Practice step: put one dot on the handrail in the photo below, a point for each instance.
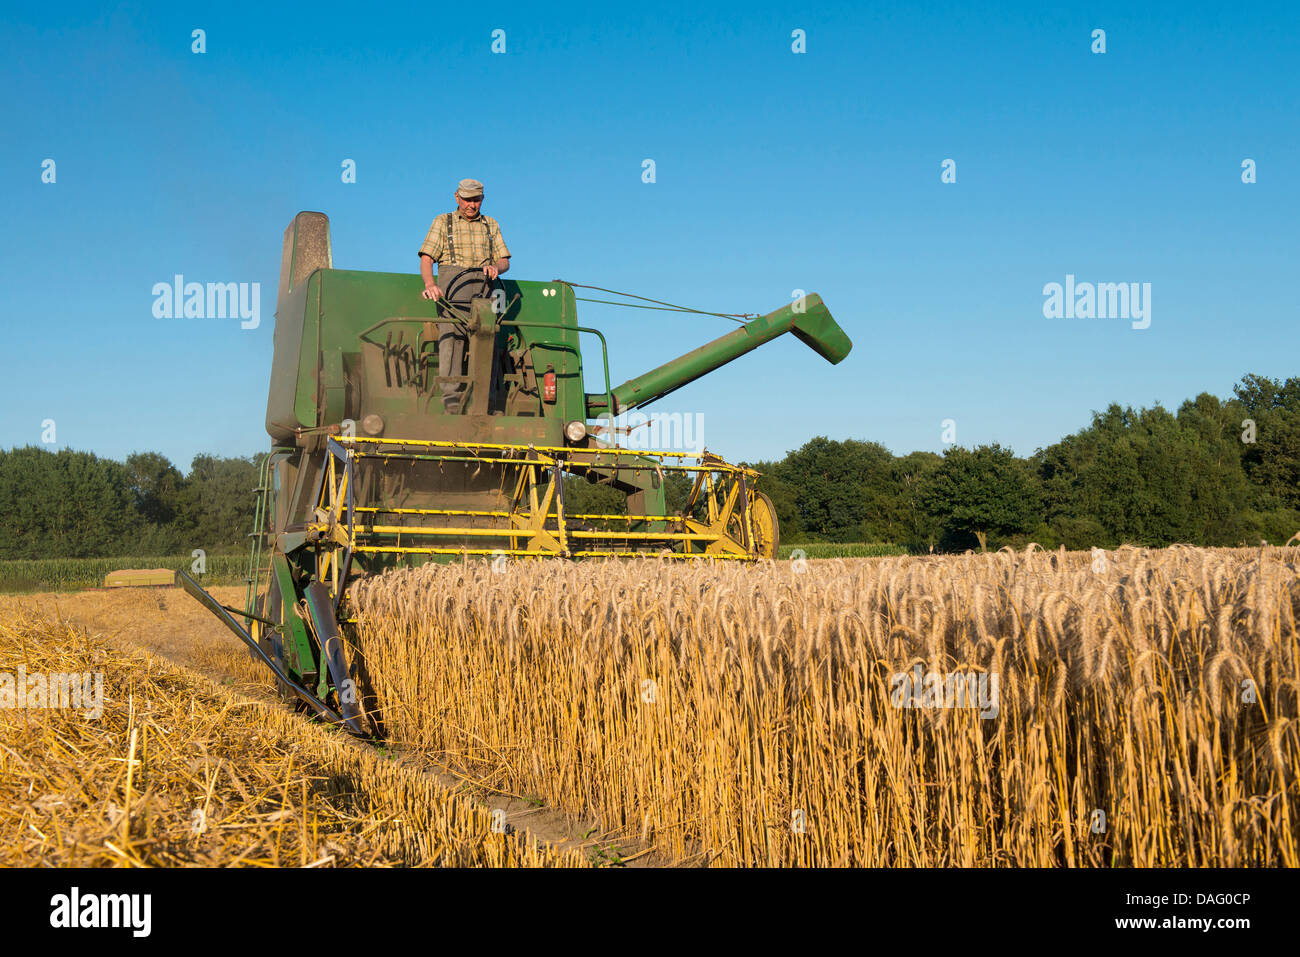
(604, 351)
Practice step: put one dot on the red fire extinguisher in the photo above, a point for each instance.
(548, 385)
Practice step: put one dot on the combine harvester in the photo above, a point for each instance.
(368, 472)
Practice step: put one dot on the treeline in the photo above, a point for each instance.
(69, 504)
(1218, 472)
(1215, 473)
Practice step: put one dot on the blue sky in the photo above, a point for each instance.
(774, 171)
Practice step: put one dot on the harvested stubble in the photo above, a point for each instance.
(1121, 691)
(179, 771)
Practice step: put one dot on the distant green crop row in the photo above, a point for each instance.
(843, 550)
(70, 574)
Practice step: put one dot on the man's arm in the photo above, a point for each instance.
(431, 290)
(502, 264)
(430, 251)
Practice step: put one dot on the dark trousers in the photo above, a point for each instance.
(453, 341)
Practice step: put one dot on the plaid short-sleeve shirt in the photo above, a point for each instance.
(475, 242)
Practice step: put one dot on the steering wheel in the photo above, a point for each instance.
(453, 314)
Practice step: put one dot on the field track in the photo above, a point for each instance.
(221, 773)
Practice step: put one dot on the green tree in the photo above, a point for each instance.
(217, 504)
(156, 485)
(1219, 491)
(911, 523)
(838, 485)
(63, 505)
(981, 491)
(1149, 478)
(1272, 460)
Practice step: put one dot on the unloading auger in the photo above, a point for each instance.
(368, 471)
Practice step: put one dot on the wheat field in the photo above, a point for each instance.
(1138, 709)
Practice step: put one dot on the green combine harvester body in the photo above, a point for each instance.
(369, 470)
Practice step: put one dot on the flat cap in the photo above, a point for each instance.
(469, 188)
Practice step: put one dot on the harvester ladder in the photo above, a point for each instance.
(263, 505)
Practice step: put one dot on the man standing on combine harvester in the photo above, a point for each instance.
(470, 254)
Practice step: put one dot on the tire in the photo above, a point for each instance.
(767, 533)
(762, 516)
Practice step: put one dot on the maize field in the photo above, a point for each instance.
(64, 574)
(1003, 709)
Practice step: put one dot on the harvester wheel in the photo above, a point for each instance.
(767, 534)
(269, 606)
